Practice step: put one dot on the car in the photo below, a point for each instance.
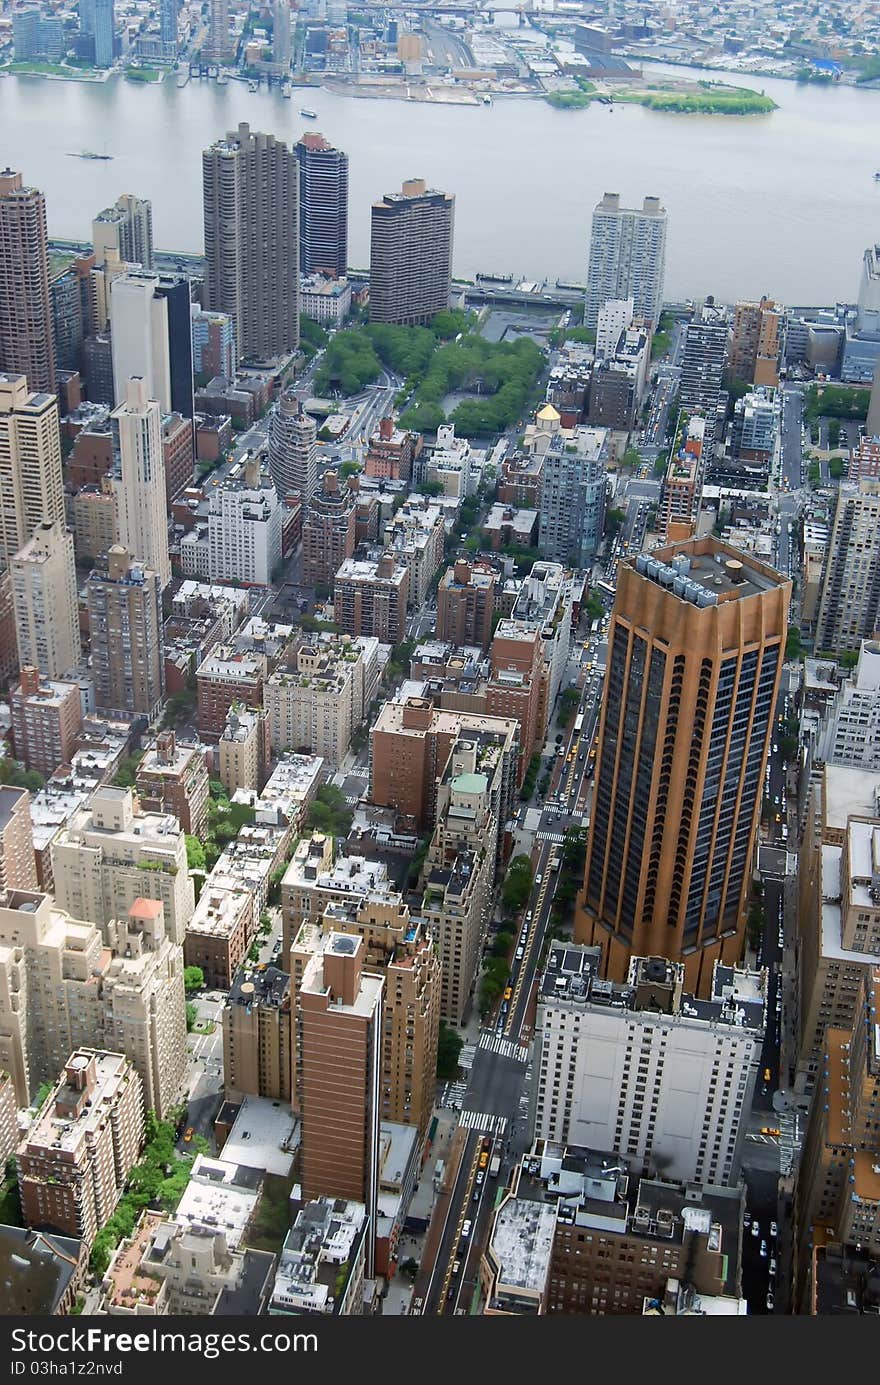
(456, 1266)
(775, 748)
(466, 1228)
(773, 1230)
(771, 1130)
(538, 879)
(484, 1159)
(480, 1177)
(767, 1075)
(762, 1249)
(756, 1228)
(508, 992)
(188, 1136)
(772, 1266)
(519, 953)
(747, 1219)
(770, 1301)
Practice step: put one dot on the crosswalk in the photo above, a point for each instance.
(484, 1122)
(466, 1057)
(496, 1044)
(557, 838)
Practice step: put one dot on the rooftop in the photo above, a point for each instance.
(706, 572)
(220, 1196)
(74, 1114)
(264, 1135)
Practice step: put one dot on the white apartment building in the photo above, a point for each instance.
(544, 604)
(415, 533)
(324, 300)
(244, 527)
(139, 478)
(139, 337)
(45, 602)
(644, 1070)
(111, 854)
(317, 700)
(852, 731)
(145, 1003)
(614, 317)
(627, 257)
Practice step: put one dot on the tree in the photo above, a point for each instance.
(329, 812)
(449, 1046)
(794, 648)
(568, 701)
(195, 853)
(613, 520)
(193, 979)
(517, 886)
(192, 1016)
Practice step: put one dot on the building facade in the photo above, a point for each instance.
(323, 207)
(45, 600)
(26, 337)
(251, 214)
(627, 257)
(696, 644)
(411, 255)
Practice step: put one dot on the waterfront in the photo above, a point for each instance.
(781, 204)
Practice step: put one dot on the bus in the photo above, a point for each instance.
(579, 723)
(606, 592)
(594, 628)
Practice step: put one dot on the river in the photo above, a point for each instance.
(783, 204)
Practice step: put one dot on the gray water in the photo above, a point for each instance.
(781, 204)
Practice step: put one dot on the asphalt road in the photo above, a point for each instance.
(494, 1105)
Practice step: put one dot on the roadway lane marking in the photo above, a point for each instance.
(483, 1121)
(506, 1047)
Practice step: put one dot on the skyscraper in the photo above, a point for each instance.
(696, 646)
(139, 337)
(411, 254)
(44, 596)
(250, 193)
(849, 607)
(219, 48)
(105, 33)
(627, 257)
(281, 36)
(702, 368)
(293, 453)
(151, 336)
(168, 17)
(26, 342)
(323, 207)
(127, 226)
(125, 627)
(139, 479)
(31, 486)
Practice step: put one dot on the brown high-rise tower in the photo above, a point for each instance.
(696, 647)
(411, 255)
(250, 197)
(26, 341)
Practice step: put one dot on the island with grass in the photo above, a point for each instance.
(676, 97)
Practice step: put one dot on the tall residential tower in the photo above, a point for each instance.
(250, 191)
(323, 206)
(411, 255)
(627, 257)
(26, 339)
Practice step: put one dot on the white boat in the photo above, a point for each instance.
(309, 115)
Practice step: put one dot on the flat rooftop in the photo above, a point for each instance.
(263, 1136)
(706, 572)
